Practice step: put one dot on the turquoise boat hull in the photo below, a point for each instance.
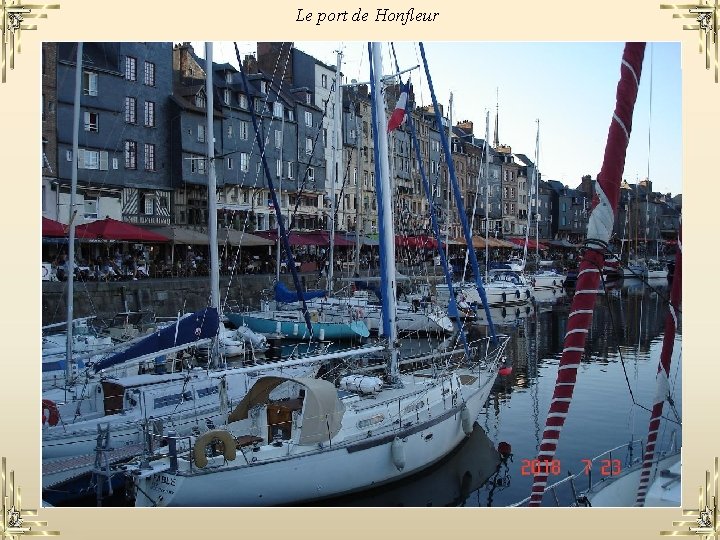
(292, 328)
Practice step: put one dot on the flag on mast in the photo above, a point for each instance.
(398, 116)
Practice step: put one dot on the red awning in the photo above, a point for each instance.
(531, 243)
(52, 228)
(112, 229)
(427, 242)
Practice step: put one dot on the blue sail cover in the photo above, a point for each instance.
(196, 326)
(285, 295)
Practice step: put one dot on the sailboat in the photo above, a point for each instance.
(540, 279)
(369, 431)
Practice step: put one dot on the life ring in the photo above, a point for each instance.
(53, 416)
(228, 445)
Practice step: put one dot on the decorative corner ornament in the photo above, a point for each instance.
(706, 15)
(14, 521)
(12, 15)
(704, 521)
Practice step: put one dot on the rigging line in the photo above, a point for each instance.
(257, 172)
(622, 361)
(281, 225)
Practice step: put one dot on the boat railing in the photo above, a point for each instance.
(609, 464)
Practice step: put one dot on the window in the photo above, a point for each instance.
(242, 98)
(243, 130)
(201, 133)
(278, 138)
(323, 79)
(263, 87)
(200, 101)
(130, 110)
(244, 161)
(311, 174)
(130, 155)
(115, 163)
(149, 204)
(308, 119)
(92, 159)
(229, 163)
(308, 98)
(149, 114)
(90, 81)
(228, 77)
(278, 168)
(226, 96)
(193, 165)
(91, 121)
(278, 109)
(291, 170)
(130, 68)
(149, 74)
(291, 115)
(149, 157)
(308, 145)
(202, 165)
(229, 131)
(90, 208)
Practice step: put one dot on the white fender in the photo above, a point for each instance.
(397, 449)
(467, 423)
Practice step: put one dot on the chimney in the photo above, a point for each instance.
(466, 126)
(250, 64)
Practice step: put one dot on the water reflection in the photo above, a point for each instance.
(473, 466)
(622, 353)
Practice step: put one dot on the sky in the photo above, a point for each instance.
(569, 87)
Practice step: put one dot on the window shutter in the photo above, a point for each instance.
(81, 158)
(103, 161)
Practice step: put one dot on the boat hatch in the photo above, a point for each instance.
(280, 417)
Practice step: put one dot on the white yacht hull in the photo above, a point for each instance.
(291, 473)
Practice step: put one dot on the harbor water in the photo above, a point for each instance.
(610, 407)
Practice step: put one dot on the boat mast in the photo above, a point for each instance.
(70, 265)
(487, 191)
(447, 201)
(282, 143)
(335, 178)
(212, 183)
(385, 215)
(358, 190)
(536, 185)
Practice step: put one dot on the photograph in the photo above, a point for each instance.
(321, 282)
(398, 269)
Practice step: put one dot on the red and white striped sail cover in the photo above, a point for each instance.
(663, 375)
(600, 227)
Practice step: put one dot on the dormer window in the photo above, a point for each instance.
(200, 100)
(263, 87)
(308, 98)
(228, 77)
(277, 109)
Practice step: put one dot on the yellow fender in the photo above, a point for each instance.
(201, 443)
